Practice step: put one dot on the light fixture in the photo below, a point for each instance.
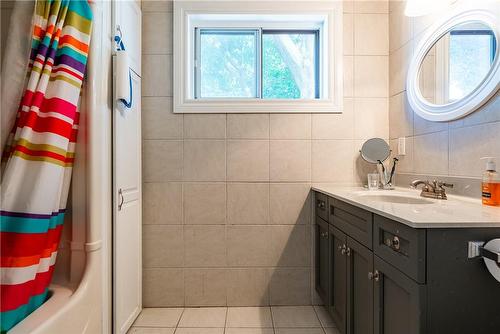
(425, 7)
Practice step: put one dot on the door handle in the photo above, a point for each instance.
(122, 199)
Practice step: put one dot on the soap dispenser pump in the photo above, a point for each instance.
(491, 183)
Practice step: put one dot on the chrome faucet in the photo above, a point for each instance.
(434, 189)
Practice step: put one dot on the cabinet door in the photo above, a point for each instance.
(360, 288)
(322, 260)
(338, 278)
(399, 301)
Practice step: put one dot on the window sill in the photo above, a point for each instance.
(239, 106)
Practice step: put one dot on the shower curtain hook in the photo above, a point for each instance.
(119, 37)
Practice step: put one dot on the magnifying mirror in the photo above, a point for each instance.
(375, 150)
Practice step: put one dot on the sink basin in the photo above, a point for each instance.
(399, 199)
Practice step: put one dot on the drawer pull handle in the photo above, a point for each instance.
(374, 276)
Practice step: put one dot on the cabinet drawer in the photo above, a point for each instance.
(353, 221)
(401, 246)
(321, 205)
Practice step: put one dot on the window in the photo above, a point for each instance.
(256, 63)
(471, 54)
(258, 57)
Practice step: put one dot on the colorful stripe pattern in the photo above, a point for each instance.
(38, 158)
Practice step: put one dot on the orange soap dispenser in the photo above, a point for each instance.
(491, 183)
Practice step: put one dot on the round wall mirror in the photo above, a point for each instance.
(375, 150)
(456, 67)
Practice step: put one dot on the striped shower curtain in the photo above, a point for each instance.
(38, 158)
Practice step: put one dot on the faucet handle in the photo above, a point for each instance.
(444, 184)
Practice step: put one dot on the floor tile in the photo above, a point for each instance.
(158, 317)
(295, 317)
(150, 330)
(324, 317)
(199, 331)
(249, 331)
(299, 331)
(204, 317)
(249, 317)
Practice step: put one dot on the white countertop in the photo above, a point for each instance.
(455, 212)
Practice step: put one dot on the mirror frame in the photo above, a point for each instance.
(480, 95)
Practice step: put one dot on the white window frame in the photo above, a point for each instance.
(188, 15)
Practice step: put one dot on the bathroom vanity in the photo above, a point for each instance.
(391, 262)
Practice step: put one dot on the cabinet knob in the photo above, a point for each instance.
(343, 249)
(396, 244)
(348, 251)
(374, 276)
(324, 234)
(321, 204)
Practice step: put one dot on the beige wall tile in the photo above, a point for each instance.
(247, 160)
(290, 286)
(205, 287)
(248, 203)
(156, 33)
(371, 6)
(332, 161)
(291, 245)
(399, 62)
(162, 246)
(161, 160)
(371, 34)
(157, 5)
(371, 77)
(348, 28)
(488, 113)
(248, 126)
(290, 160)
(348, 76)
(400, 117)
(158, 70)
(431, 153)
(204, 160)
(469, 144)
(249, 246)
(335, 126)
(158, 120)
(247, 287)
(205, 126)
(422, 126)
(400, 27)
(162, 203)
(204, 245)
(290, 126)
(371, 118)
(290, 204)
(155, 293)
(205, 203)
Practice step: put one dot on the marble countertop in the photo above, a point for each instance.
(456, 212)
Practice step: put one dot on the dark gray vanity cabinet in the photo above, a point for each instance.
(379, 276)
(322, 258)
(337, 305)
(399, 302)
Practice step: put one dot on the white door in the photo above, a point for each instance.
(127, 194)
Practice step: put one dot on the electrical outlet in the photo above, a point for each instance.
(402, 146)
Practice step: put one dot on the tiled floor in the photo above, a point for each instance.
(235, 320)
